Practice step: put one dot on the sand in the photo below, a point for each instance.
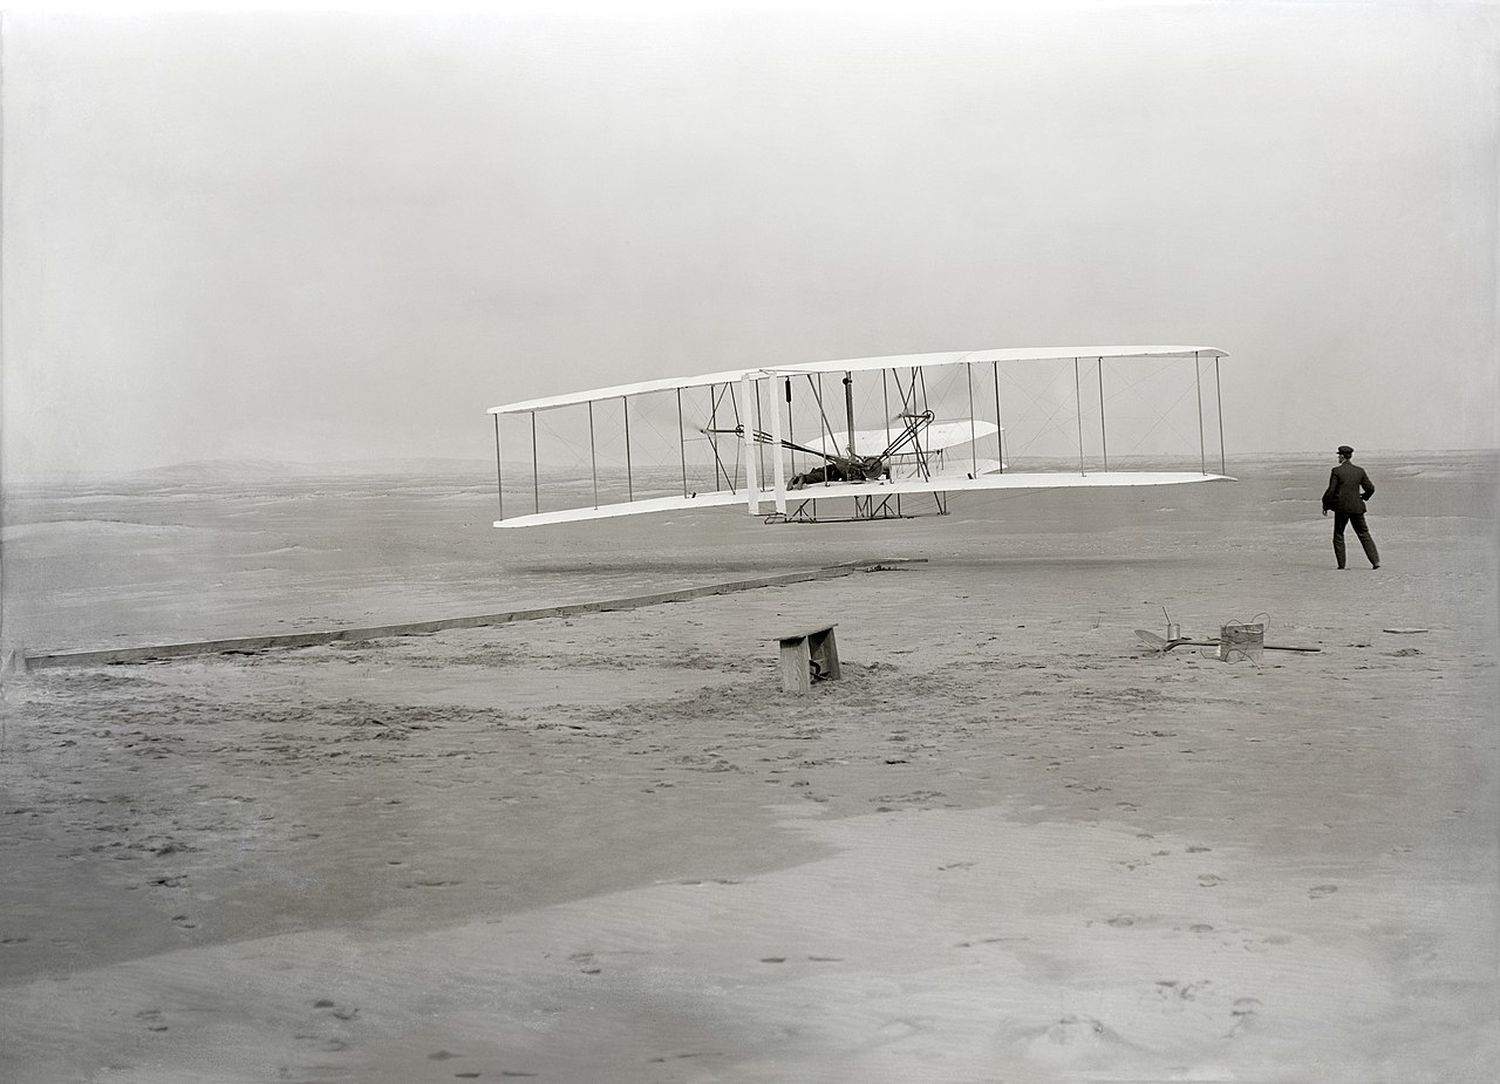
(1012, 843)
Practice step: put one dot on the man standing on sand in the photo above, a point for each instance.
(1348, 489)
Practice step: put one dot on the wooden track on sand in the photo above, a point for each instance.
(247, 644)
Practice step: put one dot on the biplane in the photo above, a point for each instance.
(856, 436)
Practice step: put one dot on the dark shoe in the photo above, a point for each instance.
(1374, 567)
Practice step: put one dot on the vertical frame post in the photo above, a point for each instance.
(752, 484)
(1219, 396)
(849, 412)
(1103, 433)
(536, 481)
(1198, 383)
(791, 424)
(625, 413)
(760, 425)
(918, 406)
(499, 479)
(973, 431)
(681, 442)
(827, 434)
(713, 437)
(778, 467)
(999, 425)
(1078, 406)
(885, 400)
(593, 456)
(747, 437)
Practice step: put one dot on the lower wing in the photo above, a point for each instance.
(885, 488)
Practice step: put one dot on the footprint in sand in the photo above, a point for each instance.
(1209, 880)
(988, 941)
(714, 881)
(1318, 891)
(1175, 990)
(1070, 1038)
(152, 1018)
(337, 1012)
(586, 959)
(1245, 1010)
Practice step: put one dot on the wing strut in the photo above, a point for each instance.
(536, 481)
(1198, 383)
(625, 413)
(1103, 436)
(776, 460)
(713, 415)
(1000, 436)
(760, 451)
(817, 390)
(1078, 406)
(849, 410)
(752, 486)
(973, 435)
(593, 456)
(499, 478)
(1219, 396)
(681, 442)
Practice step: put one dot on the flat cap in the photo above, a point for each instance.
(1344, 449)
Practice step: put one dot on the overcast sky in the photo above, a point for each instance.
(345, 236)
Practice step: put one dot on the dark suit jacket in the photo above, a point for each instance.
(1348, 489)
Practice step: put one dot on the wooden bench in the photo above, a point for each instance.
(808, 654)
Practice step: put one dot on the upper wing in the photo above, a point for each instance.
(899, 361)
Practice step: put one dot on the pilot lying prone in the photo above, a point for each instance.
(863, 468)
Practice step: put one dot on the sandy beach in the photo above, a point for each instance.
(1012, 843)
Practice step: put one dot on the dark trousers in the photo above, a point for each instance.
(1361, 531)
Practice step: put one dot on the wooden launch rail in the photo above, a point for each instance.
(245, 644)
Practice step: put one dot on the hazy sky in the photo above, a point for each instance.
(346, 236)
